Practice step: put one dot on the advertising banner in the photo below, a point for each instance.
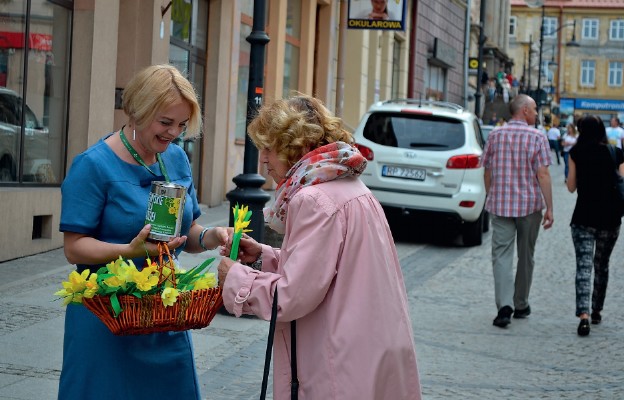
(377, 14)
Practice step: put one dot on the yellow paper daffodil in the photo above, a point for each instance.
(207, 281)
(242, 220)
(169, 296)
(74, 287)
(92, 286)
(145, 279)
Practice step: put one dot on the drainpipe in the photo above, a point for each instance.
(467, 52)
(412, 52)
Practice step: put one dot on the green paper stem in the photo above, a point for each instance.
(235, 243)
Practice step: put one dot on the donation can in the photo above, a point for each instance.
(164, 210)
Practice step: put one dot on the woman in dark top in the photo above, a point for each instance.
(597, 216)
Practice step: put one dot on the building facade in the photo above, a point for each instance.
(64, 65)
(582, 56)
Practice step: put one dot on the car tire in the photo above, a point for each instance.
(472, 232)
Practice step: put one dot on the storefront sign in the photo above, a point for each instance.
(599, 104)
(377, 14)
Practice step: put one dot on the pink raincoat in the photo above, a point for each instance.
(338, 274)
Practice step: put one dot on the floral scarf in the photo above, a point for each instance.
(332, 161)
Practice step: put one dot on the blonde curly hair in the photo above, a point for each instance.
(295, 126)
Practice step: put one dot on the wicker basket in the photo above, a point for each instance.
(193, 309)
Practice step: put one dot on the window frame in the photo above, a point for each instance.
(587, 77)
(590, 28)
(616, 30)
(614, 74)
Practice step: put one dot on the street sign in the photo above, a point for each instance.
(473, 65)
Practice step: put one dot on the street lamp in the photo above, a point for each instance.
(571, 43)
(249, 184)
(480, 59)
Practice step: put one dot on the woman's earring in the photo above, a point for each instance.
(133, 135)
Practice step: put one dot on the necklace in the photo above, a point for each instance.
(138, 158)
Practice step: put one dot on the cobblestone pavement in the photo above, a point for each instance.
(450, 288)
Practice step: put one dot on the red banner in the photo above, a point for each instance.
(15, 40)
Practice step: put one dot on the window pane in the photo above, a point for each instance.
(179, 58)
(11, 88)
(181, 12)
(291, 69)
(200, 26)
(243, 82)
(32, 127)
(293, 18)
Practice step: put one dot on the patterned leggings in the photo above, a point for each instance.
(584, 239)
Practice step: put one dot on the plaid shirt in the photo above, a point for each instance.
(513, 153)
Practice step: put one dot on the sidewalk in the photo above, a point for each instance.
(31, 322)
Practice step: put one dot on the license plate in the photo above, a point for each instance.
(404, 172)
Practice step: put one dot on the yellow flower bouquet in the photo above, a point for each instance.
(160, 297)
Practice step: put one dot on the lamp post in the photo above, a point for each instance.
(249, 184)
(572, 43)
(478, 93)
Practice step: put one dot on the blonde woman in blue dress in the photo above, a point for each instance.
(104, 201)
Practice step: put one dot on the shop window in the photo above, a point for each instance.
(187, 52)
(293, 45)
(34, 65)
(244, 55)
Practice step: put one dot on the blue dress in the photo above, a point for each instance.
(106, 198)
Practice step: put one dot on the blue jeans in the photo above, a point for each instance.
(566, 157)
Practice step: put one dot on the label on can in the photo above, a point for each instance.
(165, 207)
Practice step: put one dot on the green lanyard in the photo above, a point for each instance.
(138, 158)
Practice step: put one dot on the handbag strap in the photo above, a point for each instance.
(269, 349)
(294, 384)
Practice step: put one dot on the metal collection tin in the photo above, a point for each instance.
(164, 210)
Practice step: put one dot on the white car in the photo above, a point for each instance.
(35, 143)
(424, 161)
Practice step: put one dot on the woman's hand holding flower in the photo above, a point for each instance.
(248, 249)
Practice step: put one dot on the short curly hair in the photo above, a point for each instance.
(295, 126)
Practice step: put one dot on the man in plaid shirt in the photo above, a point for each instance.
(516, 159)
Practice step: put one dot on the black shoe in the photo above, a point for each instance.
(583, 328)
(504, 317)
(522, 313)
(596, 318)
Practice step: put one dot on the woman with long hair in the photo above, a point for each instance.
(596, 219)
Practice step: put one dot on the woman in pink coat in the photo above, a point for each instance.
(337, 272)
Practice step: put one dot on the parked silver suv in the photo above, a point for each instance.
(424, 161)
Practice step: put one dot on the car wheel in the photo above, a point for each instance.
(472, 232)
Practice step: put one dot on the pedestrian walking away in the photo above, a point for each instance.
(336, 274)
(554, 139)
(104, 204)
(597, 215)
(569, 140)
(518, 184)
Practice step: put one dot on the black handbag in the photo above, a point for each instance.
(294, 383)
(619, 181)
